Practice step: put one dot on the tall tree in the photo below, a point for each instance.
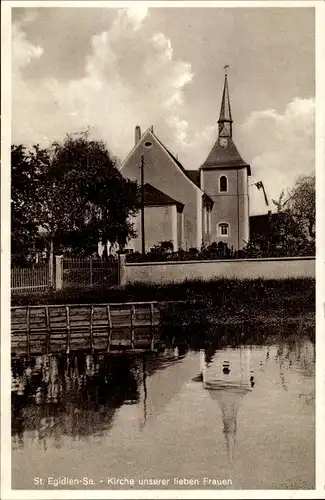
(302, 204)
(294, 226)
(85, 198)
(69, 196)
(25, 165)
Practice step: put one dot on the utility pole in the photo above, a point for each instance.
(143, 246)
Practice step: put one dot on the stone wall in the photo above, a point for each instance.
(178, 271)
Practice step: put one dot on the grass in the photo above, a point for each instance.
(242, 310)
(239, 296)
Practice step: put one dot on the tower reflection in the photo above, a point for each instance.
(234, 379)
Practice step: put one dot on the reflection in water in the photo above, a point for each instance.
(228, 399)
(232, 383)
(78, 395)
(56, 395)
(264, 393)
(145, 392)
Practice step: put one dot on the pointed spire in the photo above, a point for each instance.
(228, 397)
(224, 152)
(225, 119)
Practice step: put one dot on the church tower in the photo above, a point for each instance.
(224, 176)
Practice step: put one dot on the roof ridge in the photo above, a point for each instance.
(169, 152)
(178, 163)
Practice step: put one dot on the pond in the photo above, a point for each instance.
(230, 417)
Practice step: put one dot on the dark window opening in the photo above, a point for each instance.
(223, 229)
(223, 183)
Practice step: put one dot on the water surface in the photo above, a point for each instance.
(100, 419)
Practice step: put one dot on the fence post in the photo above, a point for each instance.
(51, 265)
(121, 269)
(58, 272)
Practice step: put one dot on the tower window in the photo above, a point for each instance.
(223, 183)
(224, 229)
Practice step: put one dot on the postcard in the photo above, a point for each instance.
(159, 195)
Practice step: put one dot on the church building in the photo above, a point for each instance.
(191, 207)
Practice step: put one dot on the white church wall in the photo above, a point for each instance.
(159, 226)
(229, 207)
(161, 172)
(180, 229)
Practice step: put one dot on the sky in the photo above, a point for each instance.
(111, 69)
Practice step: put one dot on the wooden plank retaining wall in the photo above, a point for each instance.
(47, 329)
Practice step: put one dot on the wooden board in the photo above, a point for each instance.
(63, 328)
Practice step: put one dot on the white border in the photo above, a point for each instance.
(320, 244)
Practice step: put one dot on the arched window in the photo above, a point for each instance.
(224, 229)
(223, 183)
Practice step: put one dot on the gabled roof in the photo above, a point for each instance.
(194, 175)
(224, 157)
(153, 197)
(171, 156)
(178, 163)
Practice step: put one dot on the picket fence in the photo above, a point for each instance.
(68, 273)
(25, 280)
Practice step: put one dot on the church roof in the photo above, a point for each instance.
(178, 163)
(194, 175)
(225, 110)
(224, 153)
(153, 197)
(224, 157)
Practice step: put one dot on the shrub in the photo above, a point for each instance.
(220, 250)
